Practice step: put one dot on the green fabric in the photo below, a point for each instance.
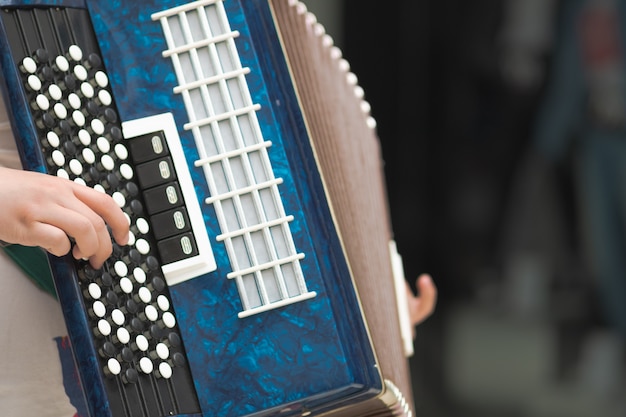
(34, 262)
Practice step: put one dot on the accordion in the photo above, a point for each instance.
(259, 278)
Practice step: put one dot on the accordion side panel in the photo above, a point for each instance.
(348, 151)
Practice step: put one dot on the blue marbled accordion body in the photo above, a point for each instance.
(266, 316)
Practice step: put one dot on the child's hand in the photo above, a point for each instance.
(44, 210)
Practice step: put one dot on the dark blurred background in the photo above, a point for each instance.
(503, 133)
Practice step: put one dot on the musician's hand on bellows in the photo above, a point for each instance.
(421, 307)
(44, 210)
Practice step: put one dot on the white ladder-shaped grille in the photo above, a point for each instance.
(233, 155)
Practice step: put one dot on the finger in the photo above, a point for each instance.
(103, 250)
(86, 228)
(50, 238)
(427, 296)
(107, 208)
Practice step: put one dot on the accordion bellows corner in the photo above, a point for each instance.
(258, 278)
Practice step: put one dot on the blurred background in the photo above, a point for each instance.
(503, 129)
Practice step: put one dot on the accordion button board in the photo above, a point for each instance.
(233, 296)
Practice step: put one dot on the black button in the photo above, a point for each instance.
(92, 108)
(131, 189)
(93, 61)
(107, 279)
(70, 81)
(158, 283)
(170, 223)
(47, 73)
(116, 134)
(110, 115)
(137, 325)
(131, 307)
(163, 198)
(157, 172)
(179, 359)
(174, 339)
(152, 263)
(148, 147)
(127, 354)
(136, 207)
(177, 248)
(48, 121)
(131, 376)
(108, 350)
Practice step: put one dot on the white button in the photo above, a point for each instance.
(97, 126)
(142, 343)
(87, 90)
(163, 302)
(114, 366)
(103, 144)
(76, 167)
(80, 72)
(131, 238)
(142, 225)
(60, 111)
(152, 313)
(145, 295)
(74, 101)
(75, 52)
(101, 79)
(121, 269)
(105, 97)
(58, 158)
(123, 335)
(99, 309)
(55, 92)
(42, 102)
(79, 118)
(107, 162)
(119, 199)
(53, 139)
(118, 317)
(89, 156)
(165, 370)
(80, 181)
(62, 63)
(162, 351)
(146, 366)
(121, 151)
(126, 171)
(61, 173)
(126, 285)
(104, 327)
(94, 291)
(100, 188)
(84, 137)
(169, 320)
(29, 65)
(139, 275)
(34, 82)
(142, 246)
